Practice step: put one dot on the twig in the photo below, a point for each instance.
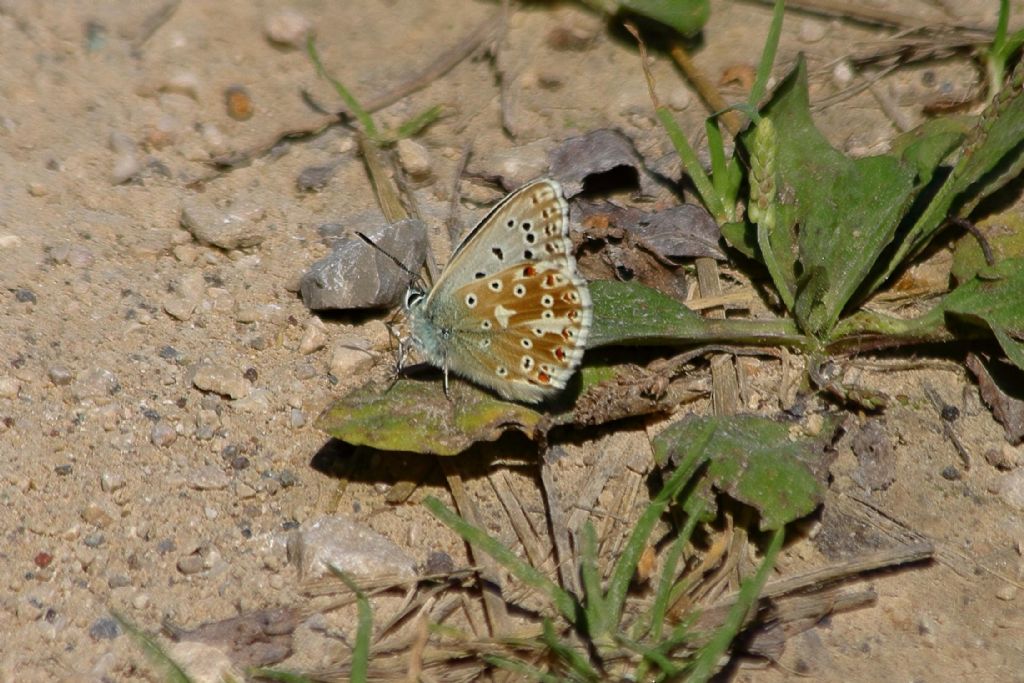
(497, 610)
(862, 14)
(567, 573)
(706, 89)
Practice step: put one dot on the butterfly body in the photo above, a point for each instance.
(510, 311)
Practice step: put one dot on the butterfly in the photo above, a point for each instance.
(510, 311)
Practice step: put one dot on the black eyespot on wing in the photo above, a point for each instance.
(527, 254)
(530, 238)
(511, 222)
(479, 276)
(498, 253)
(527, 225)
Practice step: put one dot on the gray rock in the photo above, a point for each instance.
(349, 546)
(235, 228)
(356, 275)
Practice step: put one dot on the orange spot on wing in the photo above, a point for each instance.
(559, 353)
(529, 271)
(543, 377)
(550, 280)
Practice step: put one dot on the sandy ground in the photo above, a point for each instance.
(125, 487)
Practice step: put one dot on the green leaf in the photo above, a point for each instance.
(991, 157)
(994, 299)
(628, 313)
(844, 212)
(928, 145)
(685, 16)
(1004, 234)
(417, 417)
(754, 460)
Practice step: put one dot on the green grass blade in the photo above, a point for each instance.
(522, 668)
(625, 566)
(414, 125)
(364, 629)
(571, 657)
(598, 619)
(363, 116)
(154, 651)
(771, 46)
(562, 601)
(691, 163)
(707, 660)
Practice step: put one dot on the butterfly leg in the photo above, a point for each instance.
(446, 394)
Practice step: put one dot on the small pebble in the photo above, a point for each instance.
(190, 564)
(104, 628)
(9, 387)
(209, 478)
(239, 103)
(314, 337)
(305, 371)
(414, 158)
(347, 545)
(186, 295)
(140, 601)
(297, 418)
(10, 241)
(1011, 489)
(126, 167)
(1005, 457)
(221, 379)
(94, 540)
(204, 662)
(350, 358)
(183, 83)
(37, 189)
(811, 31)
(257, 401)
(24, 295)
(288, 28)
(235, 228)
(60, 375)
(163, 434)
(1006, 593)
(112, 481)
(843, 74)
(118, 581)
(95, 384)
(207, 423)
(100, 513)
(315, 178)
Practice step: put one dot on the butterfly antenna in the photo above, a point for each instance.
(394, 259)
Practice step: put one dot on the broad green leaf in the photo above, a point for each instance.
(843, 212)
(995, 298)
(628, 313)
(752, 459)
(417, 417)
(928, 145)
(1004, 234)
(992, 301)
(685, 16)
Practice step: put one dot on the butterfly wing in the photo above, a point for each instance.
(516, 310)
(516, 230)
(526, 331)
